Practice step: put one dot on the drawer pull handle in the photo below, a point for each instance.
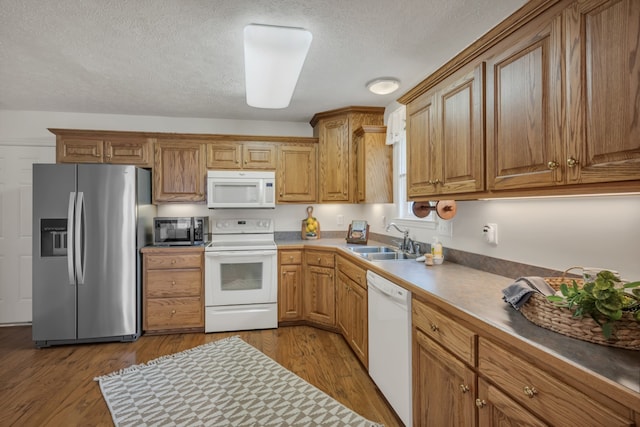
(481, 403)
(464, 388)
(434, 327)
(530, 391)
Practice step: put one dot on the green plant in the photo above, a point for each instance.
(604, 299)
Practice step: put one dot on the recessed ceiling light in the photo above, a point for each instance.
(383, 85)
(273, 59)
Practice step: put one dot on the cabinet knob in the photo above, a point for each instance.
(571, 162)
(173, 312)
(173, 261)
(173, 283)
(530, 391)
(434, 327)
(437, 181)
(319, 261)
(481, 403)
(280, 194)
(245, 162)
(552, 165)
(291, 257)
(464, 388)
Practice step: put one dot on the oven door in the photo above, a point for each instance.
(241, 277)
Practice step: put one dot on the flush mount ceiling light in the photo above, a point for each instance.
(383, 85)
(273, 59)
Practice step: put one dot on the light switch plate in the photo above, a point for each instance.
(445, 228)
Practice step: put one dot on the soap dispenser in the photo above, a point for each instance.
(436, 251)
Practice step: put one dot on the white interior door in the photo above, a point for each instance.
(15, 227)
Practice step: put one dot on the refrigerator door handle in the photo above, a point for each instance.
(70, 241)
(79, 246)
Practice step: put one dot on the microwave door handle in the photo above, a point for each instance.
(70, 236)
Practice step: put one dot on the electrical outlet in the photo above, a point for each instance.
(384, 221)
(445, 228)
(340, 220)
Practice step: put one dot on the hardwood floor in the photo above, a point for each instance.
(54, 386)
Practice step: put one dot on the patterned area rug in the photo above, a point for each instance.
(222, 383)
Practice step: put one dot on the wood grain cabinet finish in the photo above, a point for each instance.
(179, 172)
(319, 287)
(603, 97)
(334, 130)
(290, 281)
(496, 409)
(445, 141)
(173, 291)
(539, 392)
(352, 308)
(374, 165)
(443, 387)
(296, 173)
(239, 155)
(78, 146)
(524, 97)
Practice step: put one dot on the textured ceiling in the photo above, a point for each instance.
(184, 58)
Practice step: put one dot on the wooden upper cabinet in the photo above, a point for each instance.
(337, 158)
(124, 148)
(296, 174)
(374, 165)
(603, 98)
(458, 160)
(420, 140)
(523, 109)
(179, 172)
(445, 141)
(241, 155)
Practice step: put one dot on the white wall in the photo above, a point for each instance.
(556, 233)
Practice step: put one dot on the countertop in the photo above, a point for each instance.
(478, 294)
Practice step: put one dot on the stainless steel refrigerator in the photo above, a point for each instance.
(89, 222)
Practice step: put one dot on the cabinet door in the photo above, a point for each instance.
(603, 99)
(496, 409)
(343, 318)
(420, 140)
(128, 152)
(258, 155)
(296, 173)
(359, 335)
(523, 109)
(224, 155)
(178, 173)
(319, 296)
(458, 160)
(290, 293)
(443, 387)
(334, 160)
(79, 150)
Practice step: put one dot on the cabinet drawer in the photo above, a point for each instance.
(169, 260)
(290, 257)
(456, 338)
(539, 392)
(173, 283)
(174, 313)
(355, 273)
(323, 259)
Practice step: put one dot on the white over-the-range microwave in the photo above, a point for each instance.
(241, 189)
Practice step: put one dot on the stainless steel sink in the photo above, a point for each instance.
(372, 249)
(379, 253)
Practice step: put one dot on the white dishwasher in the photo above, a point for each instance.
(390, 342)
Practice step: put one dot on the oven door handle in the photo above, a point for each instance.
(240, 253)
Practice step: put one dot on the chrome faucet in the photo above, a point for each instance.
(407, 244)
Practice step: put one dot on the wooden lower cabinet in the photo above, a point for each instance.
(290, 301)
(173, 291)
(496, 409)
(444, 388)
(352, 315)
(319, 287)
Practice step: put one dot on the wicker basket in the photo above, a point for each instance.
(542, 312)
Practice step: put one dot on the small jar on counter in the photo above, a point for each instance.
(428, 259)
